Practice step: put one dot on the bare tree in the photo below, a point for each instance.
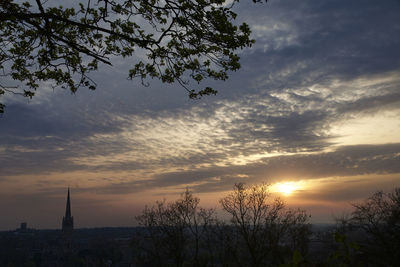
(264, 228)
(378, 217)
(175, 231)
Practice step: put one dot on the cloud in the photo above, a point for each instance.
(42, 139)
(344, 162)
(330, 40)
(228, 132)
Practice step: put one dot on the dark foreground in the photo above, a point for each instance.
(127, 247)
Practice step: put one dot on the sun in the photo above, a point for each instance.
(286, 188)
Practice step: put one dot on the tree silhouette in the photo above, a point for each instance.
(264, 228)
(378, 217)
(174, 232)
(260, 232)
(181, 40)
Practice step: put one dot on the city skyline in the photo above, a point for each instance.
(314, 111)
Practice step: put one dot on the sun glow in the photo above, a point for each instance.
(285, 188)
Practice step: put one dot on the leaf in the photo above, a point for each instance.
(297, 258)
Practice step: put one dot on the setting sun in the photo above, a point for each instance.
(286, 188)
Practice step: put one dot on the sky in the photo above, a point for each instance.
(315, 106)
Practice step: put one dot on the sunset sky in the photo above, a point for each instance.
(316, 103)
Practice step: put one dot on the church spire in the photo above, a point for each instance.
(68, 220)
(68, 208)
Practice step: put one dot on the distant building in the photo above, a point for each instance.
(23, 226)
(23, 230)
(68, 220)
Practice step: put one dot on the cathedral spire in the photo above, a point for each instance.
(68, 220)
(68, 208)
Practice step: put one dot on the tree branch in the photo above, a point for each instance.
(28, 16)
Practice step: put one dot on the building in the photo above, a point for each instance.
(23, 226)
(68, 220)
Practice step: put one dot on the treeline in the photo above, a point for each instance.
(261, 231)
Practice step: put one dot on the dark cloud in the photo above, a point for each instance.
(45, 139)
(302, 44)
(370, 104)
(351, 191)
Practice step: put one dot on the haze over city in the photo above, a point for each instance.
(314, 111)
